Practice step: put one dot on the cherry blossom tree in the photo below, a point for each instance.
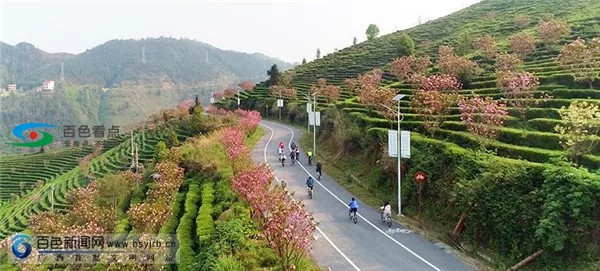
(247, 85)
(433, 100)
(282, 92)
(456, 66)
(522, 44)
(552, 31)
(487, 45)
(507, 62)
(482, 117)
(519, 88)
(410, 68)
(580, 59)
(332, 93)
(288, 229)
(373, 95)
(230, 92)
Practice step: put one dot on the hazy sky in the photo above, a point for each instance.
(287, 29)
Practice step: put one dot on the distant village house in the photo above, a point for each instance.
(48, 85)
(12, 87)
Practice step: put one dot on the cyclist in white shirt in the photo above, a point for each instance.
(387, 209)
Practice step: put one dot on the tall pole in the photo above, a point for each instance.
(238, 98)
(399, 168)
(279, 107)
(315, 126)
(52, 198)
(308, 117)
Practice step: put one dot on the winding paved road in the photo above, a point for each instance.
(341, 244)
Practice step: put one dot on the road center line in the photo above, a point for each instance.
(363, 218)
(318, 229)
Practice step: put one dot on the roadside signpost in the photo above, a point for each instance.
(420, 177)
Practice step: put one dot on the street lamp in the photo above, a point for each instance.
(315, 124)
(238, 98)
(398, 98)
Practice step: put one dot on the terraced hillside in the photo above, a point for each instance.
(15, 175)
(534, 140)
(14, 216)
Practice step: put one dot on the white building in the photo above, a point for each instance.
(48, 85)
(12, 87)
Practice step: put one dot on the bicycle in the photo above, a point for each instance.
(319, 176)
(353, 217)
(386, 219)
(310, 193)
(283, 162)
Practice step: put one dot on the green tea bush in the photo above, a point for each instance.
(204, 221)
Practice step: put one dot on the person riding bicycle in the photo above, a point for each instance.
(319, 168)
(309, 155)
(293, 155)
(387, 209)
(281, 144)
(283, 159)
(297, 154)
(353, 206)
(293, 146)
(310, 182)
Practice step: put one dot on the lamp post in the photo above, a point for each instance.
(238, 98)
(279, 107)
(398, 98)
(308, 113)
(315, 123)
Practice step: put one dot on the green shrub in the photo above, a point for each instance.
(230, 236)
(204, 221)
(185, 230)
(229, 263)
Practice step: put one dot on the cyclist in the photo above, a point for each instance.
(293, 155)
(353, 206)
(293, 146)
(310, 182)
(283, 160)
(309, 155)
(297, 154)
(387, 209)
(319, 168)
(281, 144)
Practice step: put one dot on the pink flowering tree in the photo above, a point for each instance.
(410, 69)
(522, 44)
(483, 117)
(456, 66)
(288, 229)
(552, 31)
(580, 59)
(186, 104)
(519, 88)
(433, 100)
(246, 85)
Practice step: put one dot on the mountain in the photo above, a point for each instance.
(151, 62)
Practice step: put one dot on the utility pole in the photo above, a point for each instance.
(62, 71)
(52, 208)
(143, 54)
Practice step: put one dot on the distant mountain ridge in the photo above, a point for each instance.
(138, 62)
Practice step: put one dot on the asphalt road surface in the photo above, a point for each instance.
(340, 244)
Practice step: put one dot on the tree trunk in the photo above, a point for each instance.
(459, 227)
(526, 260)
